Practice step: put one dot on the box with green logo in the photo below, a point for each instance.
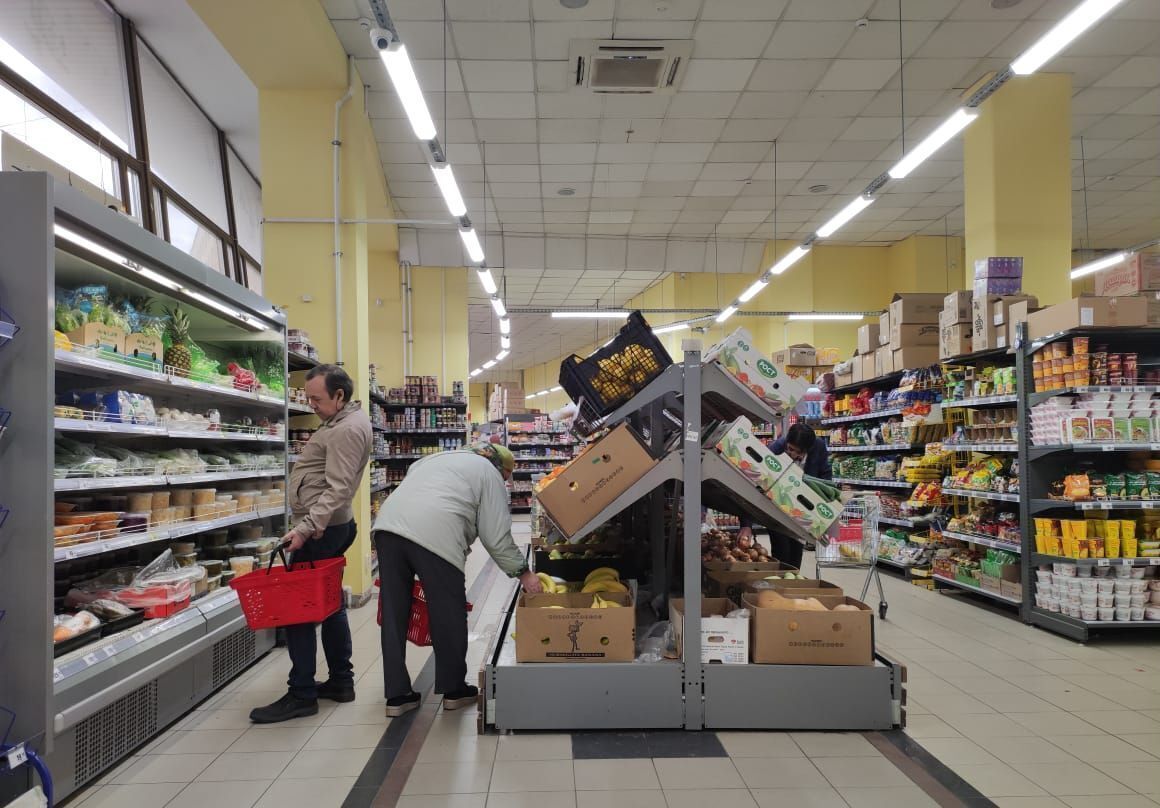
(810, 509)
(750, 456)
(737, 354)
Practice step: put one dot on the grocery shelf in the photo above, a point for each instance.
(298, 361)
(900, 521)
(400, 405)
(299, 409)
(423, 431)
(226, 433)
(1044, 395)
(1081, 630)
(869, 416)
(1118, 505)
(986, 541)
(383, 487)
(994, 495)
(902, 565)
(884, 447)
(141, 481)
(874, 483)
(890, 379)
(976, 590)
(1037, 451)
(1042, 558)
(982, 447)
(164, 533)
(961, 359)
(980, 401)
(384, 457)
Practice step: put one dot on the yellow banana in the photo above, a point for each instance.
(546, 582)
(602, 572)
(604, 586)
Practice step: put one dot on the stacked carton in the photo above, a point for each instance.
(506, 399)
(994, 277)
(954, 325)
(1137, 276)
(914, 330)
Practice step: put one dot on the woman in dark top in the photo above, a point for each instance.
(802, 445)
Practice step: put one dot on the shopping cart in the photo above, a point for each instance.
(853, 544)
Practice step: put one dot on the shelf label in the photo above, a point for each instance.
(1105, 506)
(1147, 505)
(90, 659)
(1154, 562)
(1108, 447)
(1155, 447)
(1103, 562)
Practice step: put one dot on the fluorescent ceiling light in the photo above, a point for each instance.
(472, 245)
(542, 393)
(1084, 16)
(1092, 267)
(475, 372)
(497, 304)
(114, 256)
(487, 281)
(754, 288)
(505, 326)
(556, 389)
(847, 213)
(489, 364)
(505, 341)
(667, 329)
(589, 315)
(502, 355)
(158, 278)
(788, 260)
(956, 123)
(402, 74)
(825, 316)
(445, 179)
(726, 313)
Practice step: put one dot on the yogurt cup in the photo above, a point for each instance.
(1106, 586)
(1089, 586)
(1091, 613)
(1107, 613)
(1139, 587)
(1138, 613)
(1123, 613)
(1139, 600)
(1105, 601)
(1124, 599)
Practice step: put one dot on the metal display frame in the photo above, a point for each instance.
(686, 693)
(88, 710)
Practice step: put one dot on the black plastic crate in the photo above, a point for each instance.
(614, 374)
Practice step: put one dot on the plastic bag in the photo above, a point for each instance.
(659, 640)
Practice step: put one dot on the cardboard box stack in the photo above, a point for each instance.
(506, 399)
(954, 322)
(1139, 274)
(913, 337)
(994, 277)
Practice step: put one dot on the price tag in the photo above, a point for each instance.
(90, 659)
(1105, 506)
(57, 675)
(16, 756)
(1155, 447)
(1103, 562)
(1147, 506)
(1109, 447)
(138, 637)
(1154, 562)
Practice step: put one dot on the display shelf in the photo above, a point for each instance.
(900, 521)
(976, 590)
(141, 481)
(299, 409)
(993, 495)
(983, 540)
(885, 447)
(901, 565)
(297, 361)
(874, 483)
(400, 405)
(227, 432)
(165, 533)
(988, 448)
(975, 356)
(520, 445)
(1036, 452)
(1118, 505)
(1042, 558)
(423, 431)
(1044, 395)
(869, 416)
(980, 401)
(1081, 630)
(889, 380)
(534, 459)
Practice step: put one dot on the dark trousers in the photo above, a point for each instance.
(786, 550)
(336, 644)
(444, 586)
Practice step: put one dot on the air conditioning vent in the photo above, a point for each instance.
(628, 65)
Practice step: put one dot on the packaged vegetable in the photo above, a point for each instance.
(1116, 486)
(1135, 485)
(1077, 487)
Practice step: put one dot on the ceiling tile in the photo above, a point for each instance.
(430, 74)
(606, 253)
(498, 76)
(552, 38)
(623, 130)
(570, 105)
(829, 10)
(655, 216)
(743, 9)
(808, 40)
(954, 39)
(702, 105)
(858, 74)
(691, 130)
(620, 172)
(562, 130)
(787, 74)
(718, 188)
(645, 255)
(491, 40)
(566, 173)
(769, 105)
(815, 130)
(728, 171)
(553, 10)
(835, 104)
(512, 173)
(740, 152)
(636, 106)
(503, 105)
(879, 40)
(1103, 100)
(664, 195)
(1139, 71)
(653, 29)
(624, 152)
(681, 152)
(567, 153)
(674, 171)
(552, 77)
(565, 253)
(602, 189)
(731, 40)
(506, 131)
(719, 75)
(652, 10)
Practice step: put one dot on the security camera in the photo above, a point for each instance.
(381, 38)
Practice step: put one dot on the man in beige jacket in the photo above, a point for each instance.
(322, 484)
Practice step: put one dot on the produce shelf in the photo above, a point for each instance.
(297, 361)
(99, 483)
(980, 401)
(161, 534)
(982, 447)
(967, 492)
(900, 521)
(885, 447)
(977, 590)
(1041, 558)
(983, 540)
(227, 433)
(874, 483)
(870, 416)
(1082, 630)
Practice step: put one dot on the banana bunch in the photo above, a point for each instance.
(550, 585)
(603, 579)
(600, 603)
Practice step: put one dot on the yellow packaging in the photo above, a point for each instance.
(1040, 542)
(1097, 527)
(1096, 548)
(1128, 529)
(1112, 538)
(1066, 538)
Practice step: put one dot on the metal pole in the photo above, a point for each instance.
(691, 454)
(311, 220)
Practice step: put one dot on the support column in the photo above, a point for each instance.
(1017, 170)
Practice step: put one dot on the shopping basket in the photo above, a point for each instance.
(419, 623)
(308, 592)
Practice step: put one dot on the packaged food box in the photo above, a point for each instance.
(724, 639)
(799, 355)
(999, 267)
(737, 354)
(1087, 312)
(1137, 273)
(750, 456)
(100, 336)
(565, 628)
(915, 307)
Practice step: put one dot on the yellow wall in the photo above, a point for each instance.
(386, 317)
(439, 324)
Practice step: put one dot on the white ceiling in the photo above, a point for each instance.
(699, 163)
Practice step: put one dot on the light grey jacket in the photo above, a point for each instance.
(446, 501)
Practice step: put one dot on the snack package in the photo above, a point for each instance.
(1128, 530)
(1112, 538)
(1077, 487)
(1116, 486)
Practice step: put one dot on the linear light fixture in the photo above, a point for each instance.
(471, 244)
(957, 122)
(754, 289)
(475, 372)
(505, 341)
(589, 315)
(1092, 267)
(399, 68)
(487, 280)
(726, 313)
(1064, 32)
(445, 179)
(789, 259)
(114, 256)
(497, 304)
(489, 364)
(505, 326)
(860, 203)
(668, 329)
(556, 389)
(502, 355)
(824, 316)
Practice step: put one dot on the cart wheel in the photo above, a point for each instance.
(882, 610)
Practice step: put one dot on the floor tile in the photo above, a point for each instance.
(987, 726)
(197, 741)
(461, 777)
(1077, 699)
(1140, 777)
(710, 798)
(349, 714)
(453, 748)
(1103, 749)
(216, 719)
(1143, 741)
(238, 794)
(272, 739)
(1119, 722)
(683, 744)
(759, 744)
(892, 797)
(609, 745)
(535, 746)
(633, 798)
(834, 744)
(616, 775)
(1028, 750)
(1030, 802)
(779, 773)
(1050, 725)
(246, 766)
(825, 797)
(929, 726)
(311, 793)
(357, 736)
(958, 750)
(997, 780)
(162, 769)
(1019, 702)
(532, 775)
(442, 801)
(532, 799)
(1111, 801)
(697, 773)
(862, 772)
(1075, 779)
(137, 795)
(324, 763)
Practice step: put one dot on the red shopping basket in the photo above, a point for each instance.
(419, 623)
(308, 592)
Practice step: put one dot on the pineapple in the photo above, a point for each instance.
(178, 355)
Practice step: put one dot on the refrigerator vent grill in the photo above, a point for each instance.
(232, 655)
(104, 738)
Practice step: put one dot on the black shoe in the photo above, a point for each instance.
(285, 708)
(401, 705)
(460, 698)
(333, 691)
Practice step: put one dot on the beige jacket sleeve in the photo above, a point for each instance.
(346, 457)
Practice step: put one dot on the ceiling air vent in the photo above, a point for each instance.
(628, 65)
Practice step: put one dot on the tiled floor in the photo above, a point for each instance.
(1028, 719)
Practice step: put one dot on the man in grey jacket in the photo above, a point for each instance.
(426, 528)
(322, 484)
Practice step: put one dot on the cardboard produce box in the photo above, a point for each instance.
(884, 327)
(856, 371)
(724, 640)
(593, 480)
(1015, 315)
(907, 335)
(868, 338)
(981, 307)
(915, 307)
(100, 336)
(986, 337)
(1087, 312)
(1001, 308)
(738, 356)
(807, 588)
(869, 366)
(799, 355)
(802, 504)
(750, 456)
(575, 632)
(145, 348)
(1138, 273)
(922, 356)
(732, 583)
(957, 307)
(883, 361)
(954, 340)
(792, 637)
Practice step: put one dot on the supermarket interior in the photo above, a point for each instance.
(840, 318)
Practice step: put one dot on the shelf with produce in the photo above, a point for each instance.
(227, 432)
(980, 401)
(885, 447)
(1042, 558)
(300, 361)
(869, 416)
(874, 483)
(1081, 630)
(972, 494)
(986, 448)
(162, 533)
(976, 590)
(985, 541)
(138, 481)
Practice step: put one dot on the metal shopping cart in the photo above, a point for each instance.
(853, 544)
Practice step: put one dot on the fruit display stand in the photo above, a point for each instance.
(89, 708)
(685, 692)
